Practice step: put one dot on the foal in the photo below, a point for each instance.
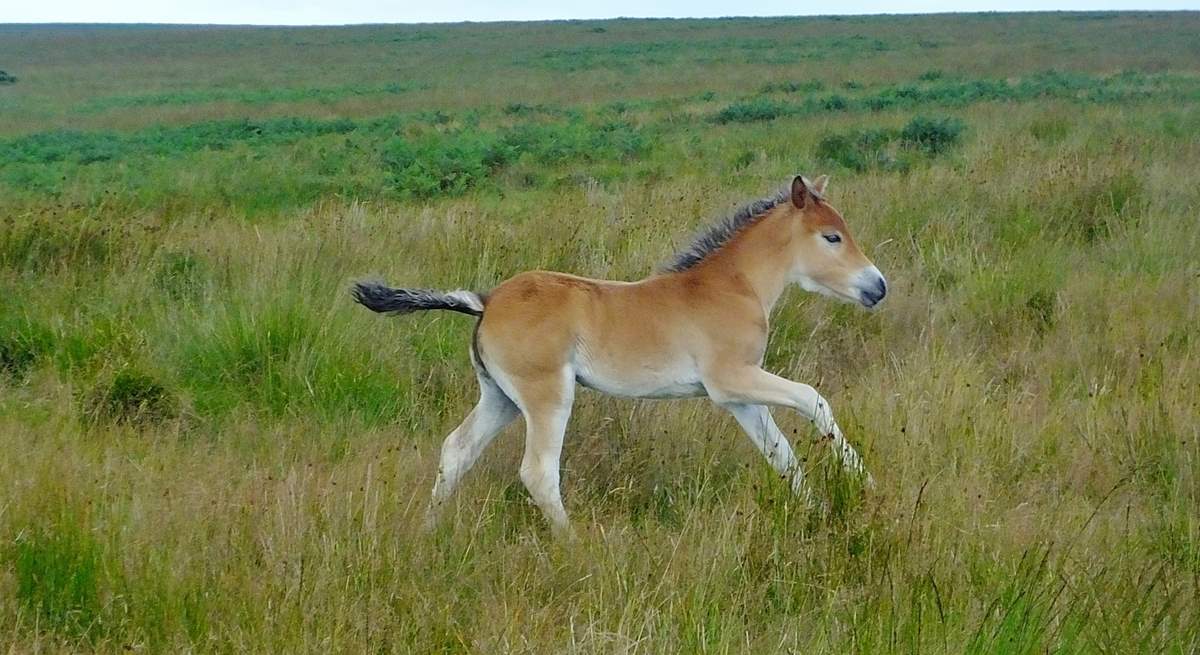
(699, 328)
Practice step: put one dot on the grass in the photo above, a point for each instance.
(207, 447)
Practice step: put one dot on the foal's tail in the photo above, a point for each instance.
(386, 300)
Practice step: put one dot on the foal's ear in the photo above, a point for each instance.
(801, 195)
(818, 185)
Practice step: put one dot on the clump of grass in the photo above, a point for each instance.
(23, 342)
(45, 242)
(1040, 307)
(181, 275)
(7, 78)
(1052, 129)
(58, 572)
(282, 358)
(1093, 208)
(130, 396)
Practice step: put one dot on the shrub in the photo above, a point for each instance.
(793, 87)
(447, 164)
(758, 109)
(835, 103)
(932, 135)
(860, 150)
(442, 165)
(558, 142)
(90, 147)
(130, 396)
(890, 149)
(6, 78)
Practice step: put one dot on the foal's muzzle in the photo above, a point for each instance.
(871, 287)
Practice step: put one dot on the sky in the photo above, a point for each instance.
(327, 12)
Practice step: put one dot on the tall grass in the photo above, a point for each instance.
(205, 446)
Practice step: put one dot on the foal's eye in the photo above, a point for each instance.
(832, 238)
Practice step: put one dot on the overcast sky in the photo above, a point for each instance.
(326, 12)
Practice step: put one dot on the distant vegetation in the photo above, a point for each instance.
(205, 446)
(243, 96)
(936, 91)
(887, 149)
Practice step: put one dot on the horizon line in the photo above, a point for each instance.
(121, 23)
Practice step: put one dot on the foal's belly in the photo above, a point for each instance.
(638, 380)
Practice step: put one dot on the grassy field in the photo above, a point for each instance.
(206, 447)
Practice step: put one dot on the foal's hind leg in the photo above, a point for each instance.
(462, 448)
(546, 403)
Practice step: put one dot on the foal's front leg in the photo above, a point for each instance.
(752, 385)
(760, 427)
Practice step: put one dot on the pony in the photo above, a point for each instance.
(696, 328)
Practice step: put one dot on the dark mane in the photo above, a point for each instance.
(721, 232)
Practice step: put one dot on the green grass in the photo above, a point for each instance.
(205, 446)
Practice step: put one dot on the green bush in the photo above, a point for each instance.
(450, 163)
(442, 165)
(91, 147)
(932, 135)
(6, 78)
(750, 111)
(888, 149)
(834, 103)
(860, 150)
(244, 96)
(793, 87)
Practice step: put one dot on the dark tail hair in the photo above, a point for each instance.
(377, 297)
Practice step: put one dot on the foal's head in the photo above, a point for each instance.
(825, 257)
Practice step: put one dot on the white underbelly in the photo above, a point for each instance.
(678, 381)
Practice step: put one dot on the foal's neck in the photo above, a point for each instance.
(760, 256)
